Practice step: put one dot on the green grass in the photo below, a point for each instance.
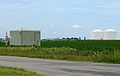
(63, 53)
(107, 51)
(8, 71)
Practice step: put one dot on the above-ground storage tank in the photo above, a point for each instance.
(97, 34)
(110, 34)
(25, 37)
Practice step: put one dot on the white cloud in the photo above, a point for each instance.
(77, 26)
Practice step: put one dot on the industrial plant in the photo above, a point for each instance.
(108, 34)
(33, 37)
(25, 37)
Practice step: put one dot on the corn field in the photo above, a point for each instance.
(73, 50)
(93, 45)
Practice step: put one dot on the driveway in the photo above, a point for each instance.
(61, 68)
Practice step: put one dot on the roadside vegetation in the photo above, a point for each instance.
(8, 71)
(73, 50)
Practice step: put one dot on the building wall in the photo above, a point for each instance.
(15, 38)
(25, 38)
(37, 39)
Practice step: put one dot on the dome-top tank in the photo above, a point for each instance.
(97, 34)
(110, 34)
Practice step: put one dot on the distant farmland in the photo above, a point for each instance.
(107, 51)
(81, 45)
(90, 50)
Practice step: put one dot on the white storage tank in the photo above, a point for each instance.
(110, 34)
(97, 34)
(25, 37)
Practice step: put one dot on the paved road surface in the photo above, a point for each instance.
(61, 68)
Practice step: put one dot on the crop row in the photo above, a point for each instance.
(93, 45)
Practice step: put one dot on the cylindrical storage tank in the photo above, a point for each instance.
(97, 34)
(110, 34)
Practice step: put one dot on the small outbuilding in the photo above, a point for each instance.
(25, 37)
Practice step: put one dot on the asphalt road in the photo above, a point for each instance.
(61, 68)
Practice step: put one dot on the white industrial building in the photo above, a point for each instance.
(25, 37)
(97, 34)
(109, 34)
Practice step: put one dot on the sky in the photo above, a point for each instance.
(59, 18)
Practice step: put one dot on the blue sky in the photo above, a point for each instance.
(60, 18)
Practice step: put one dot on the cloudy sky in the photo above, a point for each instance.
(59, 18)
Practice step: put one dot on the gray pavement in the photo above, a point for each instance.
(61, 68)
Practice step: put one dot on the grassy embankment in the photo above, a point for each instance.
(92, 51)
(8, 71)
